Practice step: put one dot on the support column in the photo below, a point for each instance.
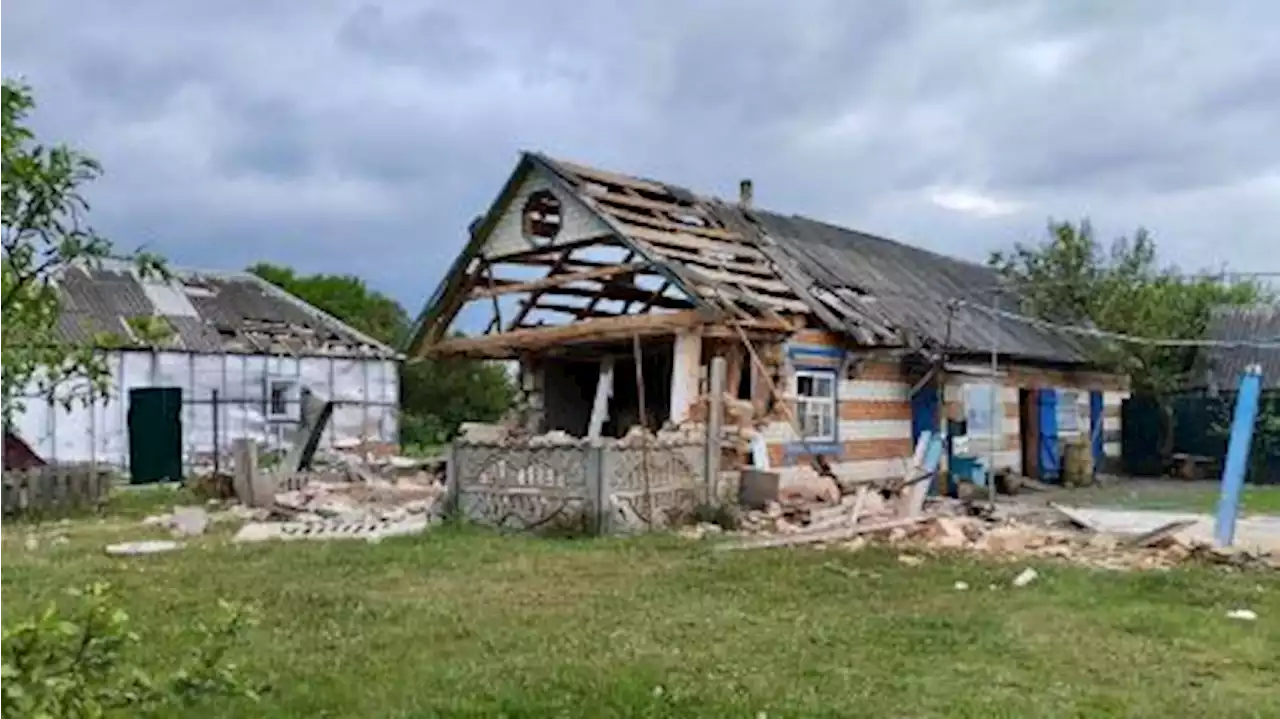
(686, 370)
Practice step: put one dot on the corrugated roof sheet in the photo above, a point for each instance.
(1219, 367)
(879, 291)
(207, 312)
(910, 288)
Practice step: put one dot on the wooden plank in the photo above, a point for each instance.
(612, 178)
(775, 287)
(602, 240)
(714, 288)
(694, 258)
(827, 535)
(506, 287)
(644, 203)
(659, 223)
(621, 293)
(579, 312)
(600, 407)
(599, 330)
(683, 241)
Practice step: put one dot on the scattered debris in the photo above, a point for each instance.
(1027, 576)
(369, 530)
(1007, 531)
(132, 549)
(1159, 534)
(1247, 615)
(910, 560)
(189, 521)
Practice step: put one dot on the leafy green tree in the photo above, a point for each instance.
(1071, 279)
(436, 396)
(346, 297)
(44, 231)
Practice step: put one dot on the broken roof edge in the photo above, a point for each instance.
(384, 351)
(412, 345)
(438, 304)
(180, 272)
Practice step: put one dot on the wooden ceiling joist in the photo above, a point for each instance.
(507, 287)
(508, 344)
(562, 247)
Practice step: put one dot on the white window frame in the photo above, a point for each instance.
(982, 405)
(816, 405)
(289, 386)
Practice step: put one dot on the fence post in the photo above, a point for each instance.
(1237, 463)
(246, 470)
(715, 415)
(217, 439)
(453, 496)
(597, 489)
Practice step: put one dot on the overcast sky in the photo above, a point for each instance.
(362, 137)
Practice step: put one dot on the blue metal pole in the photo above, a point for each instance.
(1233, 470)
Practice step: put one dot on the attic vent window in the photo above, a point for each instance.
(542, 218)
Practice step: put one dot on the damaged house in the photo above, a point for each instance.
(199, 360)
(613, 293)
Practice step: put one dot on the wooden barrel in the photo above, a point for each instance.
(1077, 462)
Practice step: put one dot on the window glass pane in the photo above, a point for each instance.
(977, 407)
(804, 385)
(823, 387)
(1068, 411)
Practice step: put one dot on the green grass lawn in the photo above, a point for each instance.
(464, 623)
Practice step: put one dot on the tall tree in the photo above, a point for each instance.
(436, 396)
(45, 230)
(346, 297)
(1070, 278)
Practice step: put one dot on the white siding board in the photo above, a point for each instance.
(577, 221)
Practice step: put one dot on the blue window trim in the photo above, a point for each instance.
(832, 448)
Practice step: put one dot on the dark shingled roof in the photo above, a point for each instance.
(911, 288)
(1220, 367)
(211, 312)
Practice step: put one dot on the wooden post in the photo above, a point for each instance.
(604, 390)
(1237, 463)
(246, 470)
(715, 416)
(452, 494)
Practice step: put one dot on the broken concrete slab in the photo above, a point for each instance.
(189, 521)
(374, 530)
(131, 549)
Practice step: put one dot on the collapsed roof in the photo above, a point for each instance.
(747, 265)
(111, 305)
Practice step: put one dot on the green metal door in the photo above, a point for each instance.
(155, 434)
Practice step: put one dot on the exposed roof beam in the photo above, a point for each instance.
(508, 344)
(506, 287)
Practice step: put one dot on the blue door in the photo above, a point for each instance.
(1096, 431)
(1050, 458)
(924, 418)
(924, 412)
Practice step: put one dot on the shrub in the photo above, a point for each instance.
(75, 663)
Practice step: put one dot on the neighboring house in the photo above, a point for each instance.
(202, 359)
(1218, 369)
(574, 271)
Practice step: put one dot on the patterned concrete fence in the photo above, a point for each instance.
(55, 490)
(602, 487)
